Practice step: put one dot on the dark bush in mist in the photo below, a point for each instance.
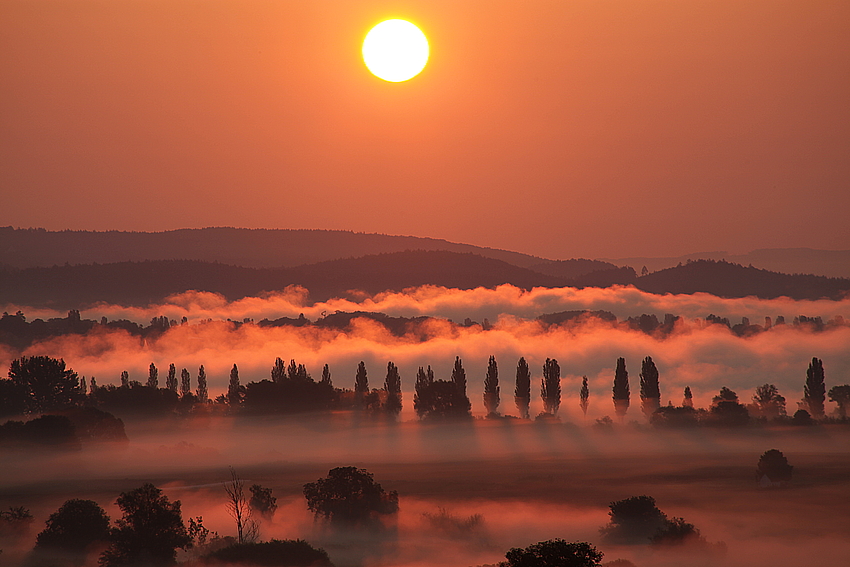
(773, 468)
(633, 521)
(262, 501)
(274, 553)
(453, 526)
(554, 553)
(70, 533)
(15, 522)
(350, 496)
(672, 416)
(92, 424)
(47, 431)
(149, 531)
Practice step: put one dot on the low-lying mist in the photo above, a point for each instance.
(468, 492)
(704, 357)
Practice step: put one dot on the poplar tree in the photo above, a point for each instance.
(83, 386)
(550, 389)
(185, 382)
(522, 391)
(153, 377)
(125, 379)
(361, 383)
(621, 389)
(814, 391)
(234, 389)
(421, 396)
(278, 371)
(650, 392)
(326, 376)
(202, 393)
(461, 405)
(171, 380)
(584, 396)
(392, 385)
(688, 401)
(491, 387)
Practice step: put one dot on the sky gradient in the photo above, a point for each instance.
(562, 129)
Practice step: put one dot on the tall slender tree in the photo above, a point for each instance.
(814, 391)
(292, 370)
(621, 389)
(688, 400)
(185, 382)
(422, 391)
(461, 406)
(522, 391)
(550, 389)
(650, 392)
(584, 396)
(125, 379)
(153, 377)
(326, 376)
(202, 392)
(234, 389)
(361, 383)
(491, 388)
(83, 386)
(392, 385)
(278, 371)
(171, 380)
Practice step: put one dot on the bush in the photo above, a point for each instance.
(554, 553)
(274, 553)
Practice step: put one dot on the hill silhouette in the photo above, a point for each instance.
(725, 279)
(141, 283)
(250, 248)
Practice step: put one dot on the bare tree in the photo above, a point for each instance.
(238, 506)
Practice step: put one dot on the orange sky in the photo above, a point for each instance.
(564, 128)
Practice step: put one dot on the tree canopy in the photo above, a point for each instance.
(554, 553)
(349, 495)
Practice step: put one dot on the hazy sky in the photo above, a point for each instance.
(565, 128)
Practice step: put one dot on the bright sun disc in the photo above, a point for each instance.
(395, 50)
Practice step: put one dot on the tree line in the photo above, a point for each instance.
(39, 384)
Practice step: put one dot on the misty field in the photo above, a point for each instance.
(526, 481)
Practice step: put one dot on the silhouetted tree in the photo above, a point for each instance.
(768, 403)
(171, 380)
(44, 383)
(202, 393)
(70, 532)
(688, 400)
(814, 391)
(841, 396)
(149, 532)
(15, 521)
(554, 553)
(235, 391)
(522, 392)
(584, 396)
(621, 389)
(326, 376)
(422, 392)
(650, 392)
(633, 520)
(491, 387)
(125, 379)
(726, 410)
(774, 465)
(550, 386)
(274, 553)
(802, 417)
(677, 531)
(278, 371)
(93, 385)
(153, 377)
(361, 384)
(392, 385)
(461, 406)
(238, 507)
(349, 496)
(185, 383)
(83, 386)
(297, 372)
(262, 501)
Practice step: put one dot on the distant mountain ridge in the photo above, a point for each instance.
(830, 263)
(249, 248)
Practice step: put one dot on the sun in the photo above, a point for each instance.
(395, 50)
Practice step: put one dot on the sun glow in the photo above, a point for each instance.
(395, 50)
